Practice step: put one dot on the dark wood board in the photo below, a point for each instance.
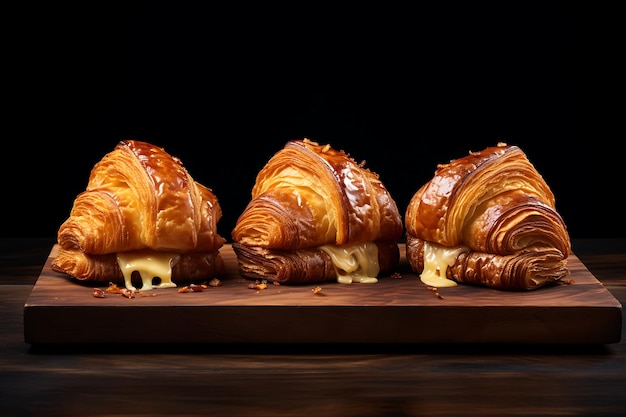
(397, 309)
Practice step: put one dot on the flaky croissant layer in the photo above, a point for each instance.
(496, 206)
(312, 206)
(140, 198)
(309, 195)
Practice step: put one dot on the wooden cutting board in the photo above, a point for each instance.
(397, 309)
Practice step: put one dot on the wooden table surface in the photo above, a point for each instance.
(292, 379)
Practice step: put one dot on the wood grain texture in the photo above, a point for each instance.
(398, 309)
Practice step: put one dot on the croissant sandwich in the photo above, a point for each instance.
(487, 219)
(141, 217)
(317, 215)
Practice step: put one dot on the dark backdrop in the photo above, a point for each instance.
(224, 88)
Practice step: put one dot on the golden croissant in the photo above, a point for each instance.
(317, 215)
(488, 219)
(141, 214)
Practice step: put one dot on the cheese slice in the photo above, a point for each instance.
(355, 263)
(150, 264)
(437, 259)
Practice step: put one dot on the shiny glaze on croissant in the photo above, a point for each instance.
(497, 206)
(306, 196)
(140, 198)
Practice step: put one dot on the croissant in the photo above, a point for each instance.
(317, 215)
(488, 219)
(141, 212)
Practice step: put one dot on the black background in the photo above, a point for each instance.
(225, 87)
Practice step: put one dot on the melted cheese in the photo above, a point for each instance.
(355, 263)
(437, 259)
(150, 264)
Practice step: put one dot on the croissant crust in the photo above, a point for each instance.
(306, 196)
(139, 197)
(496, 205)
(309, 195)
